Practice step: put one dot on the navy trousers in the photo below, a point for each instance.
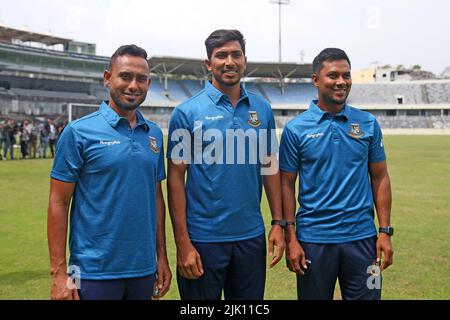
(351, 263)
(121, 289)
(237, 268)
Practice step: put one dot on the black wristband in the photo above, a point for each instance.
(281, 223)
(388, 230)
(290, 223)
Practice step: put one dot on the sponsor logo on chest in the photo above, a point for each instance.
(109, 142)
(213, 118)
(314, 135)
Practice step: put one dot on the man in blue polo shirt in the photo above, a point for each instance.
(224, 138)
(338, 153)
(109, 166)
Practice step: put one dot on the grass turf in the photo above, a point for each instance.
(419, 167)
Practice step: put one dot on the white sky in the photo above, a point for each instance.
(391, 32)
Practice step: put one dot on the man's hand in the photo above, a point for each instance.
(189, 263)
(57, 221)
(384, 246)
(164, 277)
(276, 239)
(63, 288)
(295, 256)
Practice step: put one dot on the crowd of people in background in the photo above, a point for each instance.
(29, 139)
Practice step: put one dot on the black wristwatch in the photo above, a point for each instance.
(281, 223)
(388, 230)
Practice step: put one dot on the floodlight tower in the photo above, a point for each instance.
(280, 3)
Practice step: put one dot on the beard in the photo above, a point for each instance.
(338, 101)
(126, 106)
(225, 83)
(335, 101)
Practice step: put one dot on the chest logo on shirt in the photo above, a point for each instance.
(153, 145)
(110, 142)
(214, 117)
(253, 119)
(314, 135)
(355, 130)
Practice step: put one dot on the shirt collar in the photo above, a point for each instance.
(113, 118)
(318, 113)
(141, 121)
(215, 94)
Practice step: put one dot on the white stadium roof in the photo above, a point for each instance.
(26, 36)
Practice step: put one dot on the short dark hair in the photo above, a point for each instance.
(129, 49)
(219, 37)
(329, 54)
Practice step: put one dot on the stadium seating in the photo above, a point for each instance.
(419, 92)
(156, 93)
(192, 86)
(36, 81)
(53, 94)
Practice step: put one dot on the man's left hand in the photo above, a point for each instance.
(384, 246)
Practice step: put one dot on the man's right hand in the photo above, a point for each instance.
(189, 263)
(63, 288)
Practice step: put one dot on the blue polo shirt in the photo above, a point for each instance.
(113, 213)
(223, 185)
(331, 156)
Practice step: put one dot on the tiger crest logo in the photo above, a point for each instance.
(153, 145)
(355, 130)
(253, 119)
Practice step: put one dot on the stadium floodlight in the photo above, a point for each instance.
(280, 3)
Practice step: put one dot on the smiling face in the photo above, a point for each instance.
(128, 82)
(333, 83)
(227, 65)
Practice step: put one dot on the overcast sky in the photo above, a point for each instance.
(391, 32)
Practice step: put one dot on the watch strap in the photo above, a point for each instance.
(388, 230)
(281, 223)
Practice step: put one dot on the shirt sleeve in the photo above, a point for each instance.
(376, 147)
(289, 151)
(179, 139)
(69, 156)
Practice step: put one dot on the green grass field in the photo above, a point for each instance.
(420, 172)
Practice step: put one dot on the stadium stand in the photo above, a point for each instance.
(43, 94)
(44, 81)
(156, 94)
(176, 92)
(292, 93)
(413, 92)
(191, 86)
